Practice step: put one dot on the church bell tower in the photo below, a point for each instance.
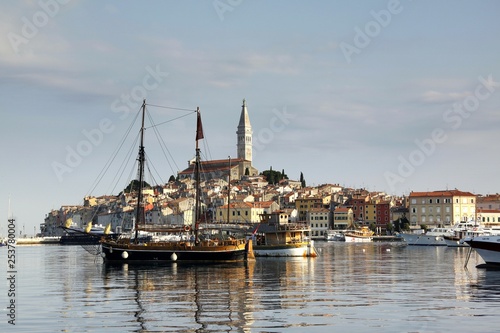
(244, 134)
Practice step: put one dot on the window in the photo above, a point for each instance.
(414, 201)
(437, 200)
(430, 200)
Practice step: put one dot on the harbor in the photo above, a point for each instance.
(360, 287)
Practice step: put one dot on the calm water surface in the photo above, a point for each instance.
(378, 287)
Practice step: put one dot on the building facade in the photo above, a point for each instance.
(343, 217)
(441, 208)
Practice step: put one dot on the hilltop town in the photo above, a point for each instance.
(235, 192)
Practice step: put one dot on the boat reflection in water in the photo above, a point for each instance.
(224, 297)
(215, 298)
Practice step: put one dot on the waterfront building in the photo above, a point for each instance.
(383, 215)
(244, 212)
(304, 205)
(342, 218)
(489, 218)
(489, 201)
(318, 219)
(371, 212)
(358, 202)
(441, 208)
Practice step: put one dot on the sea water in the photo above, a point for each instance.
(363, 287)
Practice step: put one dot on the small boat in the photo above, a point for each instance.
(334, 236)
(283, 240)
(488, 247)
(197, 244)
(363, 234)
(90, 235)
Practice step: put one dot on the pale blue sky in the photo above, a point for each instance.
(316, 106)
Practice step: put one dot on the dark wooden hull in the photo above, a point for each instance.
(155, 252)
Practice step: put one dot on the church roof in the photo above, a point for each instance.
(213, 165)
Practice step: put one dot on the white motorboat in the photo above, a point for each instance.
(488, 247)
(433, 237)
(334, 236)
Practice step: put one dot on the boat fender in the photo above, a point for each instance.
(187, 228)
(110, 249)
(173, 257)
(124, 254)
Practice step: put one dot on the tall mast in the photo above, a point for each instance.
(139, 217)
(197, 213)
(229, 189)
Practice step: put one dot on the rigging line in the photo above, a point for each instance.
(170, 107)
(124, 164)
(207, 148)
(163, 145)
(106, 167)
(168, 121)
(148, 163)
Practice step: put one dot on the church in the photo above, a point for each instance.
(237, 167)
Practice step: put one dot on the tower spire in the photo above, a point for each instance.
(244, 134)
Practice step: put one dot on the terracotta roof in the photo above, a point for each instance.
(447, 193)
(213, 165)
(489, 197)
(488, 211)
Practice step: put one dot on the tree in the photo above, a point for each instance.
(401, 224)
(134, 186)
(390, 227)
(302, 180)
(273, 176)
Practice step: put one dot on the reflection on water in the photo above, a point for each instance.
(360, 287)
(183, 298)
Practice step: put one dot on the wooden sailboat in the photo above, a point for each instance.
(201, 245)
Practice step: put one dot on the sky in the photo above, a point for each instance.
(392, 96)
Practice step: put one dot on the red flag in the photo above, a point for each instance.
(199, 128)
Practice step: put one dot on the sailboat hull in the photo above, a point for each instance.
(116, 252)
